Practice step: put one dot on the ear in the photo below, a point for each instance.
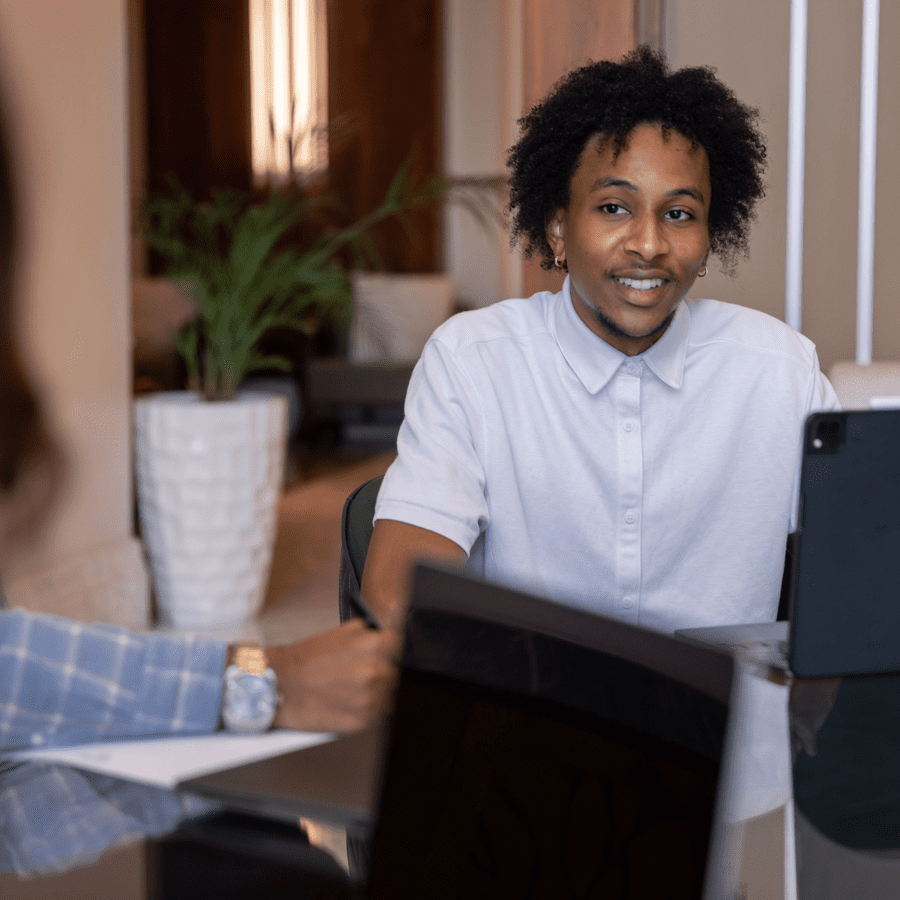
(556, 233)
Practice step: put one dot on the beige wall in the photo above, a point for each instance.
(64, 79)
(749, 43)
(64, 73)
(482, 99)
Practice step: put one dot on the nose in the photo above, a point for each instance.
(646, 237)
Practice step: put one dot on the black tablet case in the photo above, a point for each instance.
(845, 589)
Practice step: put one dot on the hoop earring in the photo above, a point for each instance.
(557, 263)
(702, 273)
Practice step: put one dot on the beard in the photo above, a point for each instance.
(617, 331)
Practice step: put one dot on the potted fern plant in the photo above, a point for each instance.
(209, 460)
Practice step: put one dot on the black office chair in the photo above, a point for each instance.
(784, 600)
(356, 532)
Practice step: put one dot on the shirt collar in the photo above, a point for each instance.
(665, 358)
(595, 362)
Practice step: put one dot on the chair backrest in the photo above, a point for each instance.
(784, 599)
(356, 532)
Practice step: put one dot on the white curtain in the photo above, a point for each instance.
(288, 83)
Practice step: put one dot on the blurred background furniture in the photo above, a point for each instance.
(359, 391)
(857, 383)
(159, 307)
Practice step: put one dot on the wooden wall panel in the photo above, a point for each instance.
(561, 36)
(558, 37)
(384, 71)
(198, 93)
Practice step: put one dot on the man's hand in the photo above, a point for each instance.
(339, 680)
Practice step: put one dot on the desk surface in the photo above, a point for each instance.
(337, 782)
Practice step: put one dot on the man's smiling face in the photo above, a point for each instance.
(635, 233)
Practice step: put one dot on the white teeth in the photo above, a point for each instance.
(641, 284)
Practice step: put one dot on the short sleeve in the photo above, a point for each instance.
(438, 479)
(822, 395)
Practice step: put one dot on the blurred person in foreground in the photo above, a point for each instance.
(64, 682)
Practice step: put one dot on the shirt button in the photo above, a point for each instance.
(632, 368)
(629, 425)
(627, 602)
(630, 516)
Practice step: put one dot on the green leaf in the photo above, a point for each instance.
(247, 278)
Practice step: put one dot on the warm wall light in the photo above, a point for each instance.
(288, 84)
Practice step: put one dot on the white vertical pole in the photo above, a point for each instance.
(868, 128)
(796, 151)
(790, 852)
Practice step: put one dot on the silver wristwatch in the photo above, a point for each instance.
(250, 698)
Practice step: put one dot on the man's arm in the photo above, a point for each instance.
(394, 550)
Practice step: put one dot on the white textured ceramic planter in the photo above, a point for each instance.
(208, 481)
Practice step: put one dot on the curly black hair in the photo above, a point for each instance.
(610, 99)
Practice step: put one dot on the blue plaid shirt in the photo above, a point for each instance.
(63, 682)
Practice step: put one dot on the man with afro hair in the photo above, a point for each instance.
(611, 99)
(614, 446)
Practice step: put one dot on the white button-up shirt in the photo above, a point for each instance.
(657, 489)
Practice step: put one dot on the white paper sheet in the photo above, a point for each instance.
(165, 762)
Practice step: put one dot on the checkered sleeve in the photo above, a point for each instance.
(63, 682)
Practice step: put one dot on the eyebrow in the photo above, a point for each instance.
(611, 181)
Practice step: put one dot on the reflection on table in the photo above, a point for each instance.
(845, 735)
(53, 818)
(67, 833)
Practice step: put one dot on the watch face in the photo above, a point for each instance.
(250, 702)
